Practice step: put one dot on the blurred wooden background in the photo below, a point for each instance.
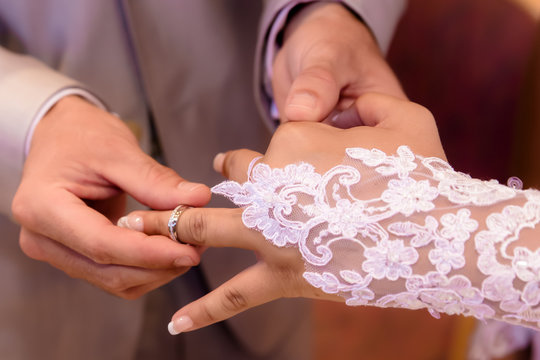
(467, 61)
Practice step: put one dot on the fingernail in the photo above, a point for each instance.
(122, 222)
(218, 162)
(186, 186)
(179, 325)
(303, 100)
(348, 118)
(133, 222)
(184, 261)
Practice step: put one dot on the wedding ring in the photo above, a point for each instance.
(173, 221)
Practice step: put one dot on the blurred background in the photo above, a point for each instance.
(476, 65)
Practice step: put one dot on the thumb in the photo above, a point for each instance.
(313, 94)
(252, 287)
(155, 185)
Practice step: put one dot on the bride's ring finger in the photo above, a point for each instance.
(198, 226)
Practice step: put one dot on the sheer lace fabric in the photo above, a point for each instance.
(403, 231)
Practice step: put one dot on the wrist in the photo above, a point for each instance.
(65, 105)
(51, 102)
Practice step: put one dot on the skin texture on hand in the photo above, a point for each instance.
(81, 164)
(328, 59)
(390, 122)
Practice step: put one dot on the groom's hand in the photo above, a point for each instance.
(328, 59)
(81, 163)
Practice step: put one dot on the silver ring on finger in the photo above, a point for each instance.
(173, 221)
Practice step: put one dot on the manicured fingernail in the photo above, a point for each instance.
(348, 118)
(186, 186)
(304, 100)
(184, 261)
(122, 222)
(218, 162)
(179, 325)
(133, 222)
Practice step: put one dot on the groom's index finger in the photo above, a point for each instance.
(234, 164)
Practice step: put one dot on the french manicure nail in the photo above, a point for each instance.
(179, 325)
(133, 222)
(122, 222)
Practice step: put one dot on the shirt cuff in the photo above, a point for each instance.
(51, 102)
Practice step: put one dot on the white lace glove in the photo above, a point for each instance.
(403, 231)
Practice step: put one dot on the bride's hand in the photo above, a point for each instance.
(278, 273)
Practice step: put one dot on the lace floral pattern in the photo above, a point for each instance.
(448, 242)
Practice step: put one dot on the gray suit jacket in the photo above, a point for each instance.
(190, 64)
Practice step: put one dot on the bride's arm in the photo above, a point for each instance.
(372, 225)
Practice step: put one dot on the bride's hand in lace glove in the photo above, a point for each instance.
(278, 273)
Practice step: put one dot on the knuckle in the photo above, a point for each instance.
(287, 274)
(289, 282)
(20, 208)
(233, 300)
(131, 293)
(208, 314)
(292, 133)
(29, 247)
(320, 73)
(99, 253)
(114, 284)
(17, 208)
(289, 131)
(197, 226)
(424, 113)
